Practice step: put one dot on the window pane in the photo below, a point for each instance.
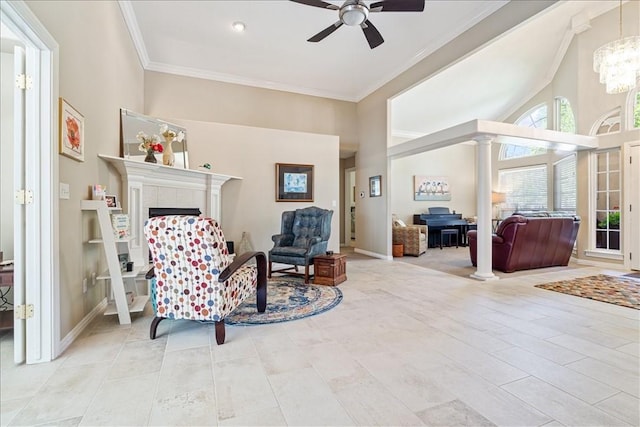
(614, 162)
(614, 181)
(602, 202)
(636, 112)
(565, 116)
(602, 181)
(526, 188)
(602, 162)
(614, 200)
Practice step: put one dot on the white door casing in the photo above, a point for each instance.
(36, 257)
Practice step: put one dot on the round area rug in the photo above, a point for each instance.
(287, 299)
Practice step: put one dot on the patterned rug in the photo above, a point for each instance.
(287, 299)
(612, 289)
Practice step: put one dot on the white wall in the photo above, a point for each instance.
(251, 153)
(6, 155)
(458, 163)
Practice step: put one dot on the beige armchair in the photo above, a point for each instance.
(413, 237)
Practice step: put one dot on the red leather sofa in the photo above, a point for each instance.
(522, 243)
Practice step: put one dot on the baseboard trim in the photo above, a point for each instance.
(615, 265)
(80, 327)
(373, 254)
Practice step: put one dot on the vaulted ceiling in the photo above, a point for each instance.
(195, 38)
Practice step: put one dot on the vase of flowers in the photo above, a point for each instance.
(169, 135)
(149, 145)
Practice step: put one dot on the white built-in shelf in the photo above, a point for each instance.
(127, 240)
(105, 275)
(118, 278)
(136, 306)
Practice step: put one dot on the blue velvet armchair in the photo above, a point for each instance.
(304, 233)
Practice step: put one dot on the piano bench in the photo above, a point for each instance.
(449, 232)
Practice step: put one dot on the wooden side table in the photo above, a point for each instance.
(329, 269)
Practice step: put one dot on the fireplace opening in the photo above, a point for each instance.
(173, 211)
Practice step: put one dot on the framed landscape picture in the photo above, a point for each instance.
(71, 128)
(294, 183)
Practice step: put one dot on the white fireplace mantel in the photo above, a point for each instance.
(154, 185)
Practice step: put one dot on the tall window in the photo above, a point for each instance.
(534, 118)
(564, 115)
(564, 184)
(526, 188)
(608, 196)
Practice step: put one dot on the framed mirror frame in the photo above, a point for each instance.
(131, 123)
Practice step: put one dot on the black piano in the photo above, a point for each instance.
(438, 219)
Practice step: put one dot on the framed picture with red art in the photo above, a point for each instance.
(71, 135)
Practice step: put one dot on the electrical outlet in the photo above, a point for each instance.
(84, 285)
(93, 278)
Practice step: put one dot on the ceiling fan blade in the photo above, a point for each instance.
(372, 34)
(324, 33)
(317, 3)
(397, 6)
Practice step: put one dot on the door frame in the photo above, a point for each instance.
(631, 196)
(41, 278)
(347, 207)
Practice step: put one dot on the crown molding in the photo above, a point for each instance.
(134, 30)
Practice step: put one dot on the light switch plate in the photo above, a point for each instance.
(65, 193)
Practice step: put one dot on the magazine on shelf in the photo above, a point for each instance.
(121, 227)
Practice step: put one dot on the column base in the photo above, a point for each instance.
(484, 276)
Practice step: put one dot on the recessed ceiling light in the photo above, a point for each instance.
(238, 26)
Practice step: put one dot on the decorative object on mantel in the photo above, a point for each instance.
(169, 135)
(149, 145)
(131, 123)
(618, 62)
(206, 166)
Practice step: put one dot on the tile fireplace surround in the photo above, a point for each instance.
(147, 185)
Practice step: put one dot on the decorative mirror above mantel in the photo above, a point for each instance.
(133, 124)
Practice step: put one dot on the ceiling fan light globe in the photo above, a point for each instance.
(354, 14)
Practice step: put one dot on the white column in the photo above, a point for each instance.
(484, 270)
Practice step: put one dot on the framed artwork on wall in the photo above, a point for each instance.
(431, 188)
(294, 183)
(375, 186)
(71, 131)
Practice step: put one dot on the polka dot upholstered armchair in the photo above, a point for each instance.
(194, 278)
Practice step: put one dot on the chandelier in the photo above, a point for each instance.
(618, 62)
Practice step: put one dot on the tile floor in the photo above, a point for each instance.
(407, 346)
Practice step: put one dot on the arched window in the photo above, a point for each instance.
(608, 123)
(565, 121)
(534, 118)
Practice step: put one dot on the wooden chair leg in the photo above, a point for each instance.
(261, 289)
(269, 272)
(154, 326)
(306, 274)
(220, 332)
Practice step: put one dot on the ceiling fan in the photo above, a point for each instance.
(356, 12)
